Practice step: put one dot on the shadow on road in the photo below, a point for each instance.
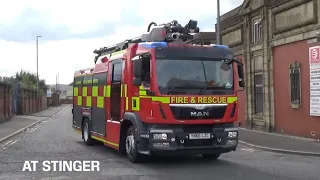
(163, 161)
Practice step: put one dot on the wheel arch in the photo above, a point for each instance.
(130, 119)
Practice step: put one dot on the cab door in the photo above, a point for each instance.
(113, 124)
(99, 99)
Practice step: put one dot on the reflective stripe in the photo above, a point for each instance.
(125, 90)
(100, 102)
(75, 91)
(232, 99)
(105, 141)
(95, 91)
(79, 101)
(84, 91)
(106, 91)
(127, 103)
(135, 104)
(165, 100)
(88, 101)
(124, 94)
(142, 92)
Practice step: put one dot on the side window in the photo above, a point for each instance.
(257, 36)
(87, 80)
(100, 79)
(77, 81)
(117, 72)
(258, 92)
(76, 85)
(295, 84)
(146, 71)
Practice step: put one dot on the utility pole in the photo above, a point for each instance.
(218, 23)
(56, 83)
(38, 66)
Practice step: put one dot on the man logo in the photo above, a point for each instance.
(200, 114)
(199, 107)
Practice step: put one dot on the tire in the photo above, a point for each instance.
(131, 146)
(211, 156)
(86, 135)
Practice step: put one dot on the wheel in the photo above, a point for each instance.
(211, 156)
(86, 133)
(131, 146)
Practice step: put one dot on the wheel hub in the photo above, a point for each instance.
(85, 132)
(129, 144)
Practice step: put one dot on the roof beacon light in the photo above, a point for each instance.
(150, 45)
(219, 46)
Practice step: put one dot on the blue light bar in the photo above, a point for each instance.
(220, 46)
(150, 45)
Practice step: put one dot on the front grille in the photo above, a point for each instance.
(185, 113)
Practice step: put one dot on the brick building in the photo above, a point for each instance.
(273, 38)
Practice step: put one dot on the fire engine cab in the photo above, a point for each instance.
(155, 94)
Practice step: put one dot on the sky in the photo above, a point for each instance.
(71, 30)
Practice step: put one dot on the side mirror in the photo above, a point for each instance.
(241, 83)
(240, 71)
(137, 81)
(225, 66)
(137, 67)
(241, 75)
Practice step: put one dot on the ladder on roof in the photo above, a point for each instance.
(168, 32)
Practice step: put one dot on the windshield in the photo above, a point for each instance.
(193, 77)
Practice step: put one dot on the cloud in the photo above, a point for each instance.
(71, 29)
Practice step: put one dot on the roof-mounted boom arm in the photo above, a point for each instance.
(168, 32)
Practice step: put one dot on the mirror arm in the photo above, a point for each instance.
(236, 61)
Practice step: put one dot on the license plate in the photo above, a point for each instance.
(199, 136)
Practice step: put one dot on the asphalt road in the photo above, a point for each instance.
(55, 140)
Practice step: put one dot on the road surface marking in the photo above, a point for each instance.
(6, 143)
(13, 142)
(248, 150)
(33, 129)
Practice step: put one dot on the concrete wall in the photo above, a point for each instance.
(283, 22)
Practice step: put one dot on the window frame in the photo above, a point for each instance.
(257, 36)
(102, 81)
(114, 63)
(258, 95)
(295, 84)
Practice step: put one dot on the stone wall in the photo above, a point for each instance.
(283, 22)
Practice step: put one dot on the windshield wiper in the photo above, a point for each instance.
(177, 86)
(211, 87)
(200, 92)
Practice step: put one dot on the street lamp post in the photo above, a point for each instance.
(37, 66)
(218, 22)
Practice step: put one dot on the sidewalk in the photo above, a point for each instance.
(18, 124)
(279, 143)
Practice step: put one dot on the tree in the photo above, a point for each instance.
(27, 80)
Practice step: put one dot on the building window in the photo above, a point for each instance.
(257, 31)
(295, 85)
(258, 92)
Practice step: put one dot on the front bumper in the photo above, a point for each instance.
(177, 141)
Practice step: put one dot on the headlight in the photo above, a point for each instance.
(160, 136)
(232, 134)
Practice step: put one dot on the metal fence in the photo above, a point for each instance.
(15, 98)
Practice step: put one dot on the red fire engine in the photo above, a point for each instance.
(156, 94)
